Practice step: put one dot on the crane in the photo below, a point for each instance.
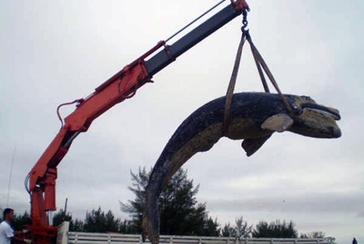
(42, 177)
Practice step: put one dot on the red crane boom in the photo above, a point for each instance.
(42, 177)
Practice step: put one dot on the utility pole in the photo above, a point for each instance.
(65, 205)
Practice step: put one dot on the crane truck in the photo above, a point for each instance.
(41, 183)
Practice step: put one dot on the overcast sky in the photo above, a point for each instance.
(56, 51)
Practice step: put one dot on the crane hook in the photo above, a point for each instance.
(245, 20)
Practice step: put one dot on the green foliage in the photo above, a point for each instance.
(180, 213)
(61, 215)
(313, 234)
(127, 227)
(227, 231)
(135, 208)
(76, 225)
(211, 227)
(98, 221)
(95, 221)
(21, 221)
(240, 230)
(275, 230)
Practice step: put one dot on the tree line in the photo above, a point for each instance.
(99, 221)
(180, 214)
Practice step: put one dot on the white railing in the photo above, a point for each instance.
(66, 237)
(103, 238)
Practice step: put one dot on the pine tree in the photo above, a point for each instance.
(98, 221)
(180, 213)
(313, 234)
(275, 230)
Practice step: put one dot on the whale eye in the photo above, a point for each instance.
(297, 110)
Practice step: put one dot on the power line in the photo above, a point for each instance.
(10, 174)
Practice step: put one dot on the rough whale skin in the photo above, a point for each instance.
(254, 117)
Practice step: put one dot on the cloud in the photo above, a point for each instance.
(331, 202)
(53, 54)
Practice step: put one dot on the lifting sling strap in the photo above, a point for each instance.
(260, 63)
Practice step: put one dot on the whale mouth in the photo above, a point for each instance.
(323, 110)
